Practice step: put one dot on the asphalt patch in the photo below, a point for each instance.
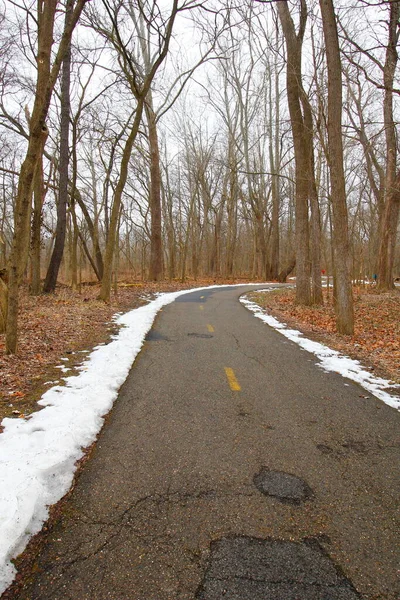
(192, 298)
(205, 336)
(287, 488)
(246, 568)
(155, 336)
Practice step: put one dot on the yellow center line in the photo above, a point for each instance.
(210, 328)
(201, 307)
(233, 382)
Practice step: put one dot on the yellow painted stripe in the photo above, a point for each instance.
(201, 307)
(210, 328)
(233, 382)
(201, 297)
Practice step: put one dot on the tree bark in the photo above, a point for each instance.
(295, 91)
(156, 249)
(275, 159)
(97, 263)
(341, 246)
(3, 302)
(232, 208)
(50, 282)
(284, 274)
(105, 290)
(390, 218)
(316, 282)
(46, 80)
(38, 197)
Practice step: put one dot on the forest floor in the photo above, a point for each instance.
(56, 331)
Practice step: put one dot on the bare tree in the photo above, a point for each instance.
(139, 79)
(58, 249)
(295, 92)
(47, 75)
(390, 217)
(341, 246)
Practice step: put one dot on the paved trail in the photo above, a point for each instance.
(231, 467)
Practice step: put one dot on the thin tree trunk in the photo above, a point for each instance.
(156, 250)
(3, 302)
(105, 290)
(316, 282)
(388, 231)
(50, 282)
(232, 209)
(74, 249)
(170, 227)
(275, 160)
(97, 261)
(38, 198)
(117, 254)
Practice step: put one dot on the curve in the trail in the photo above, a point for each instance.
(230, 467)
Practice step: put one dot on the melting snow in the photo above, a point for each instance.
(331, 360)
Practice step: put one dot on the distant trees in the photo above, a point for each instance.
(240, 141)
(382, 61)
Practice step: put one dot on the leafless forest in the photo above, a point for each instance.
(166, 139)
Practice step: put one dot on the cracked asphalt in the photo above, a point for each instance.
(167, 507)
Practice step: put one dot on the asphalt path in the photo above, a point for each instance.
(231, 467)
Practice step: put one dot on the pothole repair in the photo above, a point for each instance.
(155, 336)
(205, 336)
(285, 487)
(246, 568)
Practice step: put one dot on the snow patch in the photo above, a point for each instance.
(331, 360)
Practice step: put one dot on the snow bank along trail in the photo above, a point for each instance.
(331, 360)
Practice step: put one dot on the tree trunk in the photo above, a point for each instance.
(275, 159)
(3, 302)
(316, 282)
(294, 44)
(390, 218)
(105, 290)
(50, 282)
(74, 249)
(156, 250)
(46, 80)
(388, 236)
(284, 274)
(341, 246)
(232, 209)
(170, 227)
(38, 199)
(96, 262)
